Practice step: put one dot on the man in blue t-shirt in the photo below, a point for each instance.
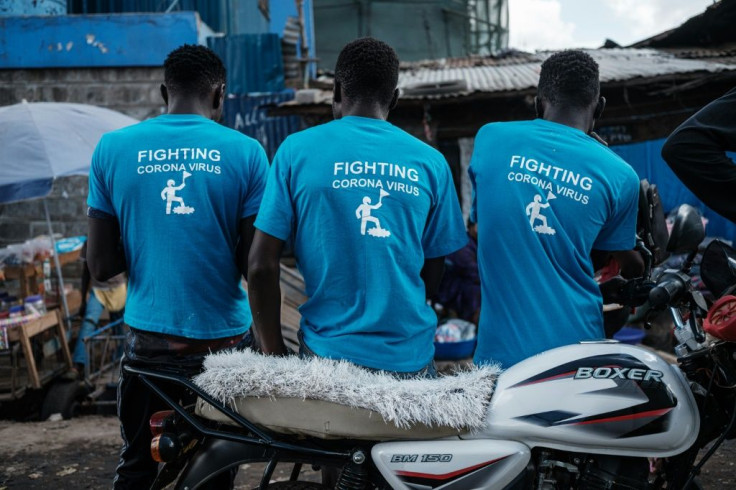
(181, 192)
(546, 194)
(372, 212)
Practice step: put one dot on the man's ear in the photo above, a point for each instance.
(337, 92)
(394, 100)
(599, 108)
(538, 108)
(164, 94)
(218, 97)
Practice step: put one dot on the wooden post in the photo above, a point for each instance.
(62, 339)
(25, 342)
(24, 333)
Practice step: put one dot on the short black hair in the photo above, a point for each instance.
(194, 70)
(570, 78)
(368, 69)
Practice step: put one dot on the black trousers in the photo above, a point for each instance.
(136, 402)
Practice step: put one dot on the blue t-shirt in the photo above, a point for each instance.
(179, 185)
(544, 195)
(365, 204)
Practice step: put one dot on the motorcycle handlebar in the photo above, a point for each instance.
(666, 291)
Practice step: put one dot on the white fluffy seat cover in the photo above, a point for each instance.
(456, 402)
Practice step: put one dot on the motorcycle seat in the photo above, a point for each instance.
(329, 399)
(321, 419)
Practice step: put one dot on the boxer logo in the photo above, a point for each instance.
(619, 373)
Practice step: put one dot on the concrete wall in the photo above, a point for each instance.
(67, 210)
(132, 91)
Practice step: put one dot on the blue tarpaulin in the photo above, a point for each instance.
(248, 114)
(253, 61)
(646, 159)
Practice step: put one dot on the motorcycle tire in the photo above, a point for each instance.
(63, 397)
(296, 485)
(694, 485)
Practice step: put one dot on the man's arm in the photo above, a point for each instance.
(630, 263)
(264, 292)
(696, 152)
(246, 231)
(85, 280)
(105, 256)
(432, 275)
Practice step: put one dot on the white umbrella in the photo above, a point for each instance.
(44, 140)
(41, 141)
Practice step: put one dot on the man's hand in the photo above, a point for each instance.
(611, 289)
(264, 292)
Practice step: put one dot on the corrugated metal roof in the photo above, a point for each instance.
(615, 65)
(511, 57)
(626, 64)
(723, 54)
(433, 79)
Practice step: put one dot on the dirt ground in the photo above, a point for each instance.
(76, 454)
(82, 453)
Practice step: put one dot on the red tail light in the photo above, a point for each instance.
(158, 421)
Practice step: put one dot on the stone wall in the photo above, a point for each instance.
(132, 91)
(67, 211)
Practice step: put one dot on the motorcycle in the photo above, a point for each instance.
(595, 415)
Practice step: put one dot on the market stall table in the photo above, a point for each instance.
(30, 275)
(25, 332)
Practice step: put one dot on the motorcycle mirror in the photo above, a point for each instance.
(687, 232)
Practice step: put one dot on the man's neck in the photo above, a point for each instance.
(188, 106)
(372, 110)
(573, 118)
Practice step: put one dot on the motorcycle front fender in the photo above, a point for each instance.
(216, 456)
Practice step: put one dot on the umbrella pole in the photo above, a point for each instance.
(62, 293)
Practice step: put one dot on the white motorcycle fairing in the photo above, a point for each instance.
(450, 464)
(594, 397)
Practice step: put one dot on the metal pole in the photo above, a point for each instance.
(303, 47)
(62, 294)
(172, 6)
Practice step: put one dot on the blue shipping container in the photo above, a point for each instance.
(213, 12)
(253, 62)
(68, 41)
(248, 114)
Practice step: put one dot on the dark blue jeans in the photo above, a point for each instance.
(91, 316)
(136, 402)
